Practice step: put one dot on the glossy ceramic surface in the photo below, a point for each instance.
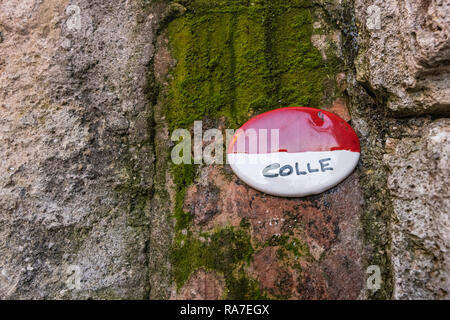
(294, 151)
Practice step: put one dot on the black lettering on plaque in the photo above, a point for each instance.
(298, 171)
(311, 170)
(286, 170)
(271, 167)
(324, 165)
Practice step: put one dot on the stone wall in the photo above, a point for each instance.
(403, 61)
(76, 148)
(91, 206)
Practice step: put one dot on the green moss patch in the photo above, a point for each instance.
(287, 244)
(223, 251)
(183, 176)
(235, 59)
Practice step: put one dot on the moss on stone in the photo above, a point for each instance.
(138, 194)
(235, 58)
(288, 244)
(222, 251)
(242, 287)
(183, 176)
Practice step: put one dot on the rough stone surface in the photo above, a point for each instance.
(329, 258)
(76, 165)
(419, 183)
(201, 286)
(403, 62)
(404, 49)
(87, 192)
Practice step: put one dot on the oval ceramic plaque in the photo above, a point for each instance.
(294, 152)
